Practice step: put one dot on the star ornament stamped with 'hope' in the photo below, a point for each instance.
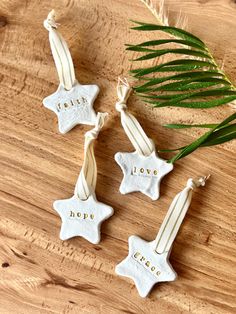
(144, 266)
(74, 106)
(142, 173)
(82, 217)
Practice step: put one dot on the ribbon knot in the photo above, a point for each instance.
(92, 133)
(121, 105)
(100, 120)
(191, 184)
(50, 23)
(194, 183)
(123, 92)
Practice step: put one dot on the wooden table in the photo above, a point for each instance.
(38, 272)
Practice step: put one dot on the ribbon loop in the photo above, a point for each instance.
(86, 183)
(175, 215)
(60, 52)
(142, 144)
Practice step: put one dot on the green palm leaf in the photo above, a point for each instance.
(161, 52)
(173, 66)
(187, 126)
(192, 81)
(179, 33)
(177, 101)
(166, 41)
(220, 136)
(180, 77)
(198, 73)
(211, 137)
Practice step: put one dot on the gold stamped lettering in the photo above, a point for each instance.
(84, 99)
(147, 263)
(144, 171)
(142, 259)
(80, 215)
(71, 103)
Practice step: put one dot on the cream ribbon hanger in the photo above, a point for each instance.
(60, 52)
(142, 144)
(86, 183)
(175, 216)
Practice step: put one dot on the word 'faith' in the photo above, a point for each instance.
(71, 103)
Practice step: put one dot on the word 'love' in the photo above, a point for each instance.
(146, 263)
(79, 215)
(71, 103)
(145, 172)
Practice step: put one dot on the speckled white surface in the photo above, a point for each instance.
(82, 218)
(144, 266)
(147, 182)
(74, 106)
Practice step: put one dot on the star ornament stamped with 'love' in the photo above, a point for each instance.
(142, 173)
(74, 106)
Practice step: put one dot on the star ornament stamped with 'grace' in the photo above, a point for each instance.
(82, 217)
(144, 266)
(142, 173)
(74, 106)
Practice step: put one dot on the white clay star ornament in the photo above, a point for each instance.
(144, 266)
(82, 217)
(72, 102)
(82, 214)
(142, 169)
(148, 262)
(74, 106)
(142, 173)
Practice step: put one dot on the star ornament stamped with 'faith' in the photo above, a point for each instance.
(82, 217)
(74, 106)
(144, 266)
(142, 173)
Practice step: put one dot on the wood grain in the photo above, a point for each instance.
(38, 272)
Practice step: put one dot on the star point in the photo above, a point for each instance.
(142, 173)
(144, 266)
(73, 106)
(82, 218)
